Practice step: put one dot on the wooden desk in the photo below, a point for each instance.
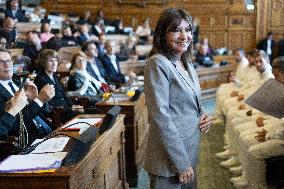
(211, 78)
(136, 123)
(102, 167)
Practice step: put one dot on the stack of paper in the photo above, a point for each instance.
(50, 145)
(32, 162)
(83, 126)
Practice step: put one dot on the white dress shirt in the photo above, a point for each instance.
(6, 85)
(268, 50)
(113, 61)
(98, 73)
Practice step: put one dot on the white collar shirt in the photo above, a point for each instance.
(113, 61)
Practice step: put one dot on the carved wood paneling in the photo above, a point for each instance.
(270, 16)
(217, 17)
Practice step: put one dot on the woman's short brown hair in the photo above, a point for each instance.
(75, 55)
(43, 56)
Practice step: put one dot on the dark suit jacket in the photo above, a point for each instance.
(10, 126)
(281, 48)
(31, 52)
(262, 45)
(9, 35)
(100, 67)
(81, 39)
(114, 77)
(60, 99)
(19, 15)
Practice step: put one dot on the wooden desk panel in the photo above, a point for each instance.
(102, 167)
(136, 123)
(210, 78)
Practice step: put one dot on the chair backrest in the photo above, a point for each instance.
(16, 52)
(24, 27)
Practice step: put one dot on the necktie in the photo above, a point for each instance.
(23, 132)
(12, 87)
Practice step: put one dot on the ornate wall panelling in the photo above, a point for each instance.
(220, 20)
(270, 16)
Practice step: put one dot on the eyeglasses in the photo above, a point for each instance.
(6, 62)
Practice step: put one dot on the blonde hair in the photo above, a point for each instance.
(75, 55)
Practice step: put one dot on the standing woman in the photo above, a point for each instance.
(173, 99)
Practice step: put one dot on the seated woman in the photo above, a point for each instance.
(45, 34)
(80, 82)
(47, 63)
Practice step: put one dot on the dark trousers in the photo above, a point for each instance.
(160, 182)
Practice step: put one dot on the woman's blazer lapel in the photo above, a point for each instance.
(190, 81)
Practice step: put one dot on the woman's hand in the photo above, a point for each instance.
(186, 176)
(205, 123)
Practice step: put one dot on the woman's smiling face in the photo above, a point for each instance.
(180, 38)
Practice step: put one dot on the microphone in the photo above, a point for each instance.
(109, 119)
(137, 94)
(82, 144)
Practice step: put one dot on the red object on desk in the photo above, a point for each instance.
(71, 129)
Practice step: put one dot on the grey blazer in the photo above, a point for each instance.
(173, 102)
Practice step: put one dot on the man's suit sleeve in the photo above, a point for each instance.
(31, 110)
(6, 124)
(157, 98)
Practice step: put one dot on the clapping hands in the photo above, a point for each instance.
(46, 93)
(17, 103)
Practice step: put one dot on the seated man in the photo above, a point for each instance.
(94, 65)
(14, 11)
(237, 79)
(8, 30)
(29, 122)
(33, 47)
(203, 57)
(85, 35)
(111, 65)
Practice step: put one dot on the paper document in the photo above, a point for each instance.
(82, 126)
(51, 145)
(118, 97)
(30, 162)
(269, 99)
